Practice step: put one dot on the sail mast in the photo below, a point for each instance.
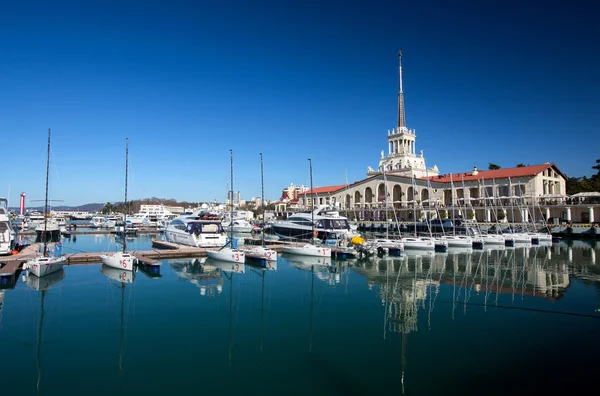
(231, 212)
(45, 233)
(126, 209)
(262, 196)
(312, 201)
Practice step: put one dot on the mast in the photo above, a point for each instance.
(401, 118)
(262, 196)
(45, 233)
(126, 174)
(452, 202)
(312, 202)
(231, 212)
(414, 204)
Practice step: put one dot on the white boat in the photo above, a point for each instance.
(120, 260)
(307, 250)
(493, 239)
(7, 233)
(418, 243)
(45, 265)
(261, 253)
(388, 243)
(228, 254)
(520, 237)
(49, 229)
(198, 233)
(238, 225)
(458, 241)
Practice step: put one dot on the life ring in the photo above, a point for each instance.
(315, 233)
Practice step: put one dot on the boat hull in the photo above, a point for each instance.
(42, 268)
(227, 254)
(307, 250)
(122, 261)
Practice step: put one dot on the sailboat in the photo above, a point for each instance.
(45, 265)
(121, 260)
(229, 253)
(309, 249)
(42, 284)
(261, 253)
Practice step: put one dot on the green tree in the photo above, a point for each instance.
(493, 166)
(521, 165)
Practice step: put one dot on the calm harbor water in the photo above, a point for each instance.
(492, 321)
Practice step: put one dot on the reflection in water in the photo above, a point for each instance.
(42, 284)
(200, 273)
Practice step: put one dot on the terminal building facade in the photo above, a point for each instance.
(403, 186)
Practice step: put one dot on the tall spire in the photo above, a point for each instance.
(401, 120)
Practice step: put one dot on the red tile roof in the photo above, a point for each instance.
(502, 173)
(324, 190)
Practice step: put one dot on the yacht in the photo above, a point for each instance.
(192, 232)
(7, 233)
(418, 243)
(49, 229)
(238, 225)
(32, 221)
(153, 215)
(300, 225)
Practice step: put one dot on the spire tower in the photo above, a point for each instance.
(401, 120)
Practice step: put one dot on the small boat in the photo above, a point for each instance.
(119, 260)
(418, 243)
(44, 265)
(307, 250)
(458, 241)
(238, 226)
(227, 254)
(261, 253)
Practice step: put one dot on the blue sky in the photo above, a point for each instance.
(185, 81)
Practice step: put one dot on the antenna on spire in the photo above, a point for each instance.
(401, 119)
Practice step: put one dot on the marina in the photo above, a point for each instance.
(305, 312)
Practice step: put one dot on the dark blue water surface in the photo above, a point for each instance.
(519, 320)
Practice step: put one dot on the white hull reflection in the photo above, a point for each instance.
(45, 282)
(119, 275)
(226, 266)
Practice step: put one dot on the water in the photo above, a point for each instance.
(516, 320)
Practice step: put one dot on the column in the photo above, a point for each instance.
(389, 148)
(488, 215)
(568, 214)
(547, 213)
(591, 208)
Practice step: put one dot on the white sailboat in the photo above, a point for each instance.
(121, 260)
(229, 253)
(45, 264)
(261, 253)
(309, 249)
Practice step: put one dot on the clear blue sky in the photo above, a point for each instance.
(502, 82)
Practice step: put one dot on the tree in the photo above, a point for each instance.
(493, 166)
(521, 165)
(597, 167)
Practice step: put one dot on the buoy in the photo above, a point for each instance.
(14, 252)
